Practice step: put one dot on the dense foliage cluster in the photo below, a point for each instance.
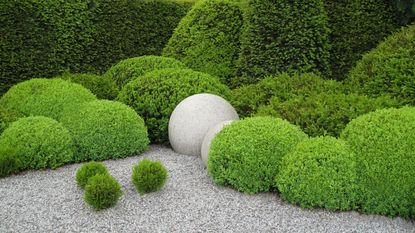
(89, 170)
(9, 161)
(102, 191)
(149, 176)
(7, 117)
(101, 86)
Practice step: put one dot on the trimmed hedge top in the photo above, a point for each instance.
(103, 87)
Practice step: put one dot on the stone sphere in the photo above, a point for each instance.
(193, 117)
(210, 135)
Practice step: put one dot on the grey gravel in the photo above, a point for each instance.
(50, 201)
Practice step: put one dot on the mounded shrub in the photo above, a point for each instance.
(246, 154)
(39, 142)
(149, 176)
(324, 114)
(102, 191)
(207, 39)
(271, 44)
(7, 117)
(383, 142)
(388, 69)
(88, 170)
(319, 172)
(9, 161)
(155, 95)
(102, 86)
(131, 68)
(45, 97)
(104, 129)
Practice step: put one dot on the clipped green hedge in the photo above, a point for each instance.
(155, 95)
(102, 191)
(149, 176)
(103, 87)
(207, 39)
(7, 117)
(89, 170)
(9, 161)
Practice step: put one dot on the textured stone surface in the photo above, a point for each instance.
(193, 117)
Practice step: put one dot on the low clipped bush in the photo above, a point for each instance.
(383, 142)
(102, 86)
(128, 69)
(102, 191)
(88, 170)
(207, 39)
(246, 154)
(39, 142)
(104, 129)
(388, 69)
(324, 114)
(45, 97)
(319, 172)
(155, 95)
(149, 176)
(7, 117)
(9, 161)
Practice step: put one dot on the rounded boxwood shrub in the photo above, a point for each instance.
(155, 95)
(246, 154)
(383, 142)
(102, 191)
(149, 176)
(88, 170)
(45, 97)
(319, 172)
(9, 161)
(207, 39)
(7, 117)
(102, 86)
(131, 68)
(39, 142)
(388, 69)
(324, 114)
(104, 129)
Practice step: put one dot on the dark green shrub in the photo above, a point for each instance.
(405, 10)
(383, 142)
(207, 39)
(388, 69)
(247, 153)
(88, 170)
(131, 68)
(7, 117)
(45, 97)
(271, 44)
(324, 114)
(155, 95)
(39, 142)
(102, 86)
(104, 129)
(149, 176)
(102, 191)
(319, 172)
(9, 161)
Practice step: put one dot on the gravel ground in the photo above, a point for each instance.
(50, 201)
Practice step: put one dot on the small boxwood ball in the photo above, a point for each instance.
(9, 161)
(246, 154)
(193, 117)
(88, 170)
(102, 191)
(319, 172)
(149, 176)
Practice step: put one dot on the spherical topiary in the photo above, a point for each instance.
(7, 117)
(9, 161)
(246, 154)
(388, 69)
(128, 69)
(207, 39)
(149, 176)
(39, 142)
(319, 172)
(88, 170)
(45, 97)
(324, 114)
(383, 142)
(102, 191)
(104, 129)
(155, 95)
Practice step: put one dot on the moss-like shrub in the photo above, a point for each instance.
(131, 68)
(102, 191)
(88, 170)
(246, 154)
(383, 142)
(39, 142)
(207, 39)
(102, 86)
(7, 117)
(319, 172)
(271, 43)
(104, 129)
(155, 95)
(324, 114)
(388, 69)
(247, 99)
(149, 176)
(45, 97)
(9, 161)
